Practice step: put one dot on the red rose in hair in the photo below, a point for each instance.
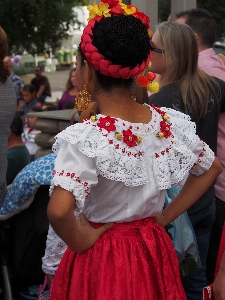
(111, 3)
(129, 138)
(107, 123)
(143, 17)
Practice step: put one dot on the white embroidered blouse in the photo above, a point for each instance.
(118, 171)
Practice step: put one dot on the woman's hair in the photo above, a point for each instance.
(29, 88)
(17, 125)
(4, 70)
(181, 56)
(69, 85)
(122, 40)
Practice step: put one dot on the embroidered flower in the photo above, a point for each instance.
(160, 134)
(93, 118)
(107, 123)
(129, 138)
(118, 136)
(139, 139)
(164, 124)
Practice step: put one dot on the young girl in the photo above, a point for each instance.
(30, 132)
(30, 101)
(114, 169)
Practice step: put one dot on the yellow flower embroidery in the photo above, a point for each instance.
(98, 10)
(93, 118)
(165, 117)
(139, 139)
(118, 136)
(160, 134)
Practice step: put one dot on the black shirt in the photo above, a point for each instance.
(206, 128)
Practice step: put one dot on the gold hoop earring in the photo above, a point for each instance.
(83, 99)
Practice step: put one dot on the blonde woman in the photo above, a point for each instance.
(186, 88)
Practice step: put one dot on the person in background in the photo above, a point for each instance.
(69, 95)
(17, 82)
(188, 89)
(8, 108)
(30, 132)
(115, 168)
(29, 96)
(41, 84)
(17, 154)
(205, 28)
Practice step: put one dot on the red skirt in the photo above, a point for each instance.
(131, 261)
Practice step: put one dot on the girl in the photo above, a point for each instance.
(114, 170)
(30, 132)
(30, 100)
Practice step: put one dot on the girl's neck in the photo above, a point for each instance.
(124, 108)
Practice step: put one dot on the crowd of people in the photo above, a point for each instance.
(107, 216)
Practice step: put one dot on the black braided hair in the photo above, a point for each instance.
(123, 40)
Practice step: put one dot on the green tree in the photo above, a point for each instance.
(34, 24)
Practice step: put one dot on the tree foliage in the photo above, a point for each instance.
(217, 9)
(34, 24)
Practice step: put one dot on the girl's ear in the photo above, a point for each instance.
(88, 73)
(89, 76)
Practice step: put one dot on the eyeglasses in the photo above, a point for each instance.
(156, 49)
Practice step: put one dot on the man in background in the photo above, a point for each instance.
(41, 84)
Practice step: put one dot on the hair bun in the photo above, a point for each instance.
(123, 40)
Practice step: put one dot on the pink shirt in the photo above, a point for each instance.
(209, 62)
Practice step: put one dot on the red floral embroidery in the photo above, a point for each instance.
(164, 124)
(129, 138)
(107, 123)
(201, 154)
(165, 128)
(73, 175)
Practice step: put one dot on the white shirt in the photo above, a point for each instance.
(114, 182)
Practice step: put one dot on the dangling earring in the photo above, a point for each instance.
(83, 99)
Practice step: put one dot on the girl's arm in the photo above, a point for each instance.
(219, 284)
(78, 234)
(193, 189)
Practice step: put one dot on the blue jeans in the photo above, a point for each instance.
(202, 222)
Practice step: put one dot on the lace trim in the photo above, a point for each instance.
(204, 161)
(172, 157)
(72, 183)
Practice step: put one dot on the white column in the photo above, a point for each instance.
(180, 5)
(150, 8)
